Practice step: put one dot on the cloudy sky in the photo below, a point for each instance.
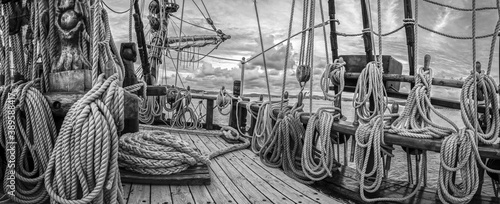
(451, 58)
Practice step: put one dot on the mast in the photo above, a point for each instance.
(367, 37)
(334, 45)
(141, 44)
(410, 37)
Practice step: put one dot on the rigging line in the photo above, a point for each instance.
(294, 35)
(199, 9)
(324, 32)
(285, 67)
(206, 10)
(180, 36)
(199, 26)
(459, 9)
(114, 11)
(262, 47)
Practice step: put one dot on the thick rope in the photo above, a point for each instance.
(85, 157)
(263, 125)
(370, 84)
(415, 120)
(333, 73)
(286, 145)
(157, 153)
(28, 133)
(317, 136)
(369, 138)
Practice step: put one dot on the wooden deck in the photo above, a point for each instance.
(237, 177)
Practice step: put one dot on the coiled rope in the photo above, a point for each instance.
(263, 125)
(157, 153)
(333, 73)
(85, 157)
(370, 84)
(415, 120)
(317, 136)
(28, 134)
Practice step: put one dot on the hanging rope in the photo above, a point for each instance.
(85, 157)
(262, 48)
(223, 101)
(369, 138)
(370, 84)
(333, 73)
(263, 125)
(415, 121)
(28, 134)
(317, 136)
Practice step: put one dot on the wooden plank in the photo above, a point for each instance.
(411, 79)
(217, 190)
(126, 190)
(181, 194)
(253, 162)
(240, 196)
(160, 194)
(247, 167)
(242, 181)
(70, 81)
(139, 194)
(201, 194)
(194, 175)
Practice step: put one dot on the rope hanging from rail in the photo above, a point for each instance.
(415, 120)
(317, 137)
(370, 84)
(333, 73)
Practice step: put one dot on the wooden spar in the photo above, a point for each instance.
(406, 78)
(334, 44)
(141, 44)
(410, 38)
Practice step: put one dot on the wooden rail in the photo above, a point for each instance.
(346, 127)
(411, 79)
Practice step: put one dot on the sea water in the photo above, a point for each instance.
(399, 168)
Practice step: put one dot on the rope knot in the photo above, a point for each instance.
(408, 21)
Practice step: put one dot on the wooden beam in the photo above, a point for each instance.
(411, 79)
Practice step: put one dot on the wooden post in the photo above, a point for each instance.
(243, 62)
(410, 38)
(128, 54)
(232, 116)
(334, 45)
(209, 118)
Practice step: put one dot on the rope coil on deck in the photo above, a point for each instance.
(157, 153)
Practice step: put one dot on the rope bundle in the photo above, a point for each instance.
(415, 120)
(157, 153)
(223, 101)
(285, 145)
(313, 167)
(33, 138)
(370, 84)
(333, 73)
(369, 138)
(263, 125)
(85, 157)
